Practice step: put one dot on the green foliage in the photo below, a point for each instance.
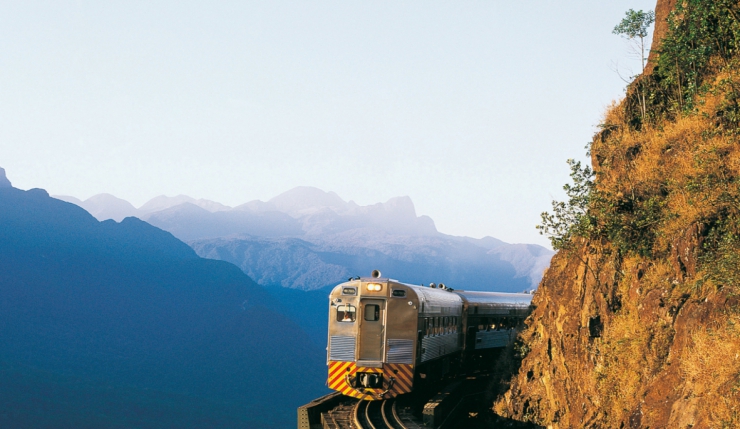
(570, 219)
(630, 222)
(635, 24)
(703, 38)
(521, 349)
(699, 31)
(627, 221)
(721, 256)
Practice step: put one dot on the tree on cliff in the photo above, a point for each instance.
(635, 27)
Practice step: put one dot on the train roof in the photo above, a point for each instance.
(490, 300)
(515, 299)
(496, 303)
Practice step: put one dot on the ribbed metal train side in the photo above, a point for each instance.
(440, 318)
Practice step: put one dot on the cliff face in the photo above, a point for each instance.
(620, 343)
(662, 9)
(637, 323)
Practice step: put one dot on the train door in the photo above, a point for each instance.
(372, 328)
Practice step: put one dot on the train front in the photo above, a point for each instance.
(372, 338)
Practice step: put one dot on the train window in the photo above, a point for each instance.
(346, 313)
(399, 293)
(349, 291)
(445, 325)
(372, 312)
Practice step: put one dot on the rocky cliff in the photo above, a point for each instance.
(637, 322)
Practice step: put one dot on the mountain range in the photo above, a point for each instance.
(309, 239)
(108, 324)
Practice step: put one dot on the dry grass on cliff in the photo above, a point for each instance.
(680, 173)
(711, 365)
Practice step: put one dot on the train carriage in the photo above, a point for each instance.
(385, 336)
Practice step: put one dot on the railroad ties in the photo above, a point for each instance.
(339, 417)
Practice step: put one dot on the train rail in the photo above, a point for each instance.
(439, 411)
(383, 415)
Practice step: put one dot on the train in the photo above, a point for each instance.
(387, 338)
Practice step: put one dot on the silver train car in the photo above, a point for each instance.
(385, 336)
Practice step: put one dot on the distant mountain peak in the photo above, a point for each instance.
(107, 206)
(4, 182)
(306, 197)
(164, 202)
(401, 205)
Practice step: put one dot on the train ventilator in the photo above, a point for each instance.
(386, 336)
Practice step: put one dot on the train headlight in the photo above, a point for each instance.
(374, 287)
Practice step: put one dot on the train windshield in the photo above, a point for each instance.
(346, 313)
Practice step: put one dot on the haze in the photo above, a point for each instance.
(469, 108)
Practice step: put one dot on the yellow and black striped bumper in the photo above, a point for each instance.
(342, 373)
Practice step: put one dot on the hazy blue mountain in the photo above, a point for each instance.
(71, 199)
(276, 261)
(315, 264)
(304, 198)
(189, 222)
(4, 182)
(529, 260)
(341, 239)
(104, 206)
(107, 324)
(107, 206)
(488, 242)
(164, 202)
(307, 239)
(322, 213)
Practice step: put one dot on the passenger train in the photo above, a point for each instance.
(386, 337)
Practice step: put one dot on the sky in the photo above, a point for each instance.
(471, 108)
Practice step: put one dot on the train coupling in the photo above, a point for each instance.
(369, 380)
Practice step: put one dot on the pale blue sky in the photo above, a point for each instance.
(469, 107)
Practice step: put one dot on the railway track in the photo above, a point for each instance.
(384, 414)
(336, 411)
